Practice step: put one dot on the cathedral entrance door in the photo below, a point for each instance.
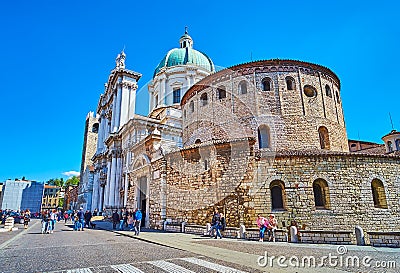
(142, 200)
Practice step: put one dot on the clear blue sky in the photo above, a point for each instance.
(55, 57)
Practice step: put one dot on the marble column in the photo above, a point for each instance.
(126, 87)
(126, 186)
(118, 182)
(111, 198)
(96, 186)
(117, 113)
(114, 106)
(107, 187)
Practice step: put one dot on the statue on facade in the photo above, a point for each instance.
(120, 60)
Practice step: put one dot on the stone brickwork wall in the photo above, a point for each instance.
(292, 116)
(90, 141)
(239, 186)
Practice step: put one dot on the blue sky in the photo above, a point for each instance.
(55, 57)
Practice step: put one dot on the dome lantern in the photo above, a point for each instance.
(186, 40)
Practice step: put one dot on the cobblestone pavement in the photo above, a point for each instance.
(99, 251)
(388, 259)
(296, 257)
(106, 250)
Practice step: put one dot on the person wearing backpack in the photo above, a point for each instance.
(138, 221)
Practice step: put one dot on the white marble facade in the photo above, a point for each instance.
(125, 139)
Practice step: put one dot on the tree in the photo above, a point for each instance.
(59, 182)
(61, 202)
(73, 181)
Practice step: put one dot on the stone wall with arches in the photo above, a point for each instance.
(321, 191)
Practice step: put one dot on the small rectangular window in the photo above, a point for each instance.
(176, 95)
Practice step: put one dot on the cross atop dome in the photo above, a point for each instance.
(186, 40)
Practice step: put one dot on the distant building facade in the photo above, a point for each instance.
(70, 198)
(22, 195)
(51, 197)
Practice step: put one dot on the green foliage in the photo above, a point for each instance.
(60, 202)
(59, 182)
(73, 181)
(56, 182)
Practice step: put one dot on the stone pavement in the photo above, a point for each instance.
(241, 252)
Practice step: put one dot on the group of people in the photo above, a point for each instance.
(127, 218)
(49, 220)
(267, 224)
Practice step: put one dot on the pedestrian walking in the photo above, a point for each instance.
(130, 221)
(216, 225)
(138, 221)
(45, 221)
(121, 219)
(88, 216)
(66, 216)
(27, 218)
(115, 219)
(81, 219)
(52, 220)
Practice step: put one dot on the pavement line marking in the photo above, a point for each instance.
(6, 243)
(209, 265)
(170, 267)
(126, 268)
(80, 270)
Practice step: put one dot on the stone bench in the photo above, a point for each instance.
(327, 237)
(384, 239)
(254, 235)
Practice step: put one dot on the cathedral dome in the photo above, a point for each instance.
(185, 55)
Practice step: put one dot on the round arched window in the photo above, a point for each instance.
(310, 91)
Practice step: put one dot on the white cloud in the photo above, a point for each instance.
(71, 173)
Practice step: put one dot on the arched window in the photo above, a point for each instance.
(221, 92)
(321, 194)
(198, 141)
(204, 99)
(328, 91)
(397, 144)
(324, 138)
(378, 194)
(390, 146)
(243, 87)
(337, 97)
(266, 84)
(263, 137)
(277, 195)
(191, 106)
(95, 128)
(290, 85)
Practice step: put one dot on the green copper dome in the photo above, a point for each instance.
(185, 55)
